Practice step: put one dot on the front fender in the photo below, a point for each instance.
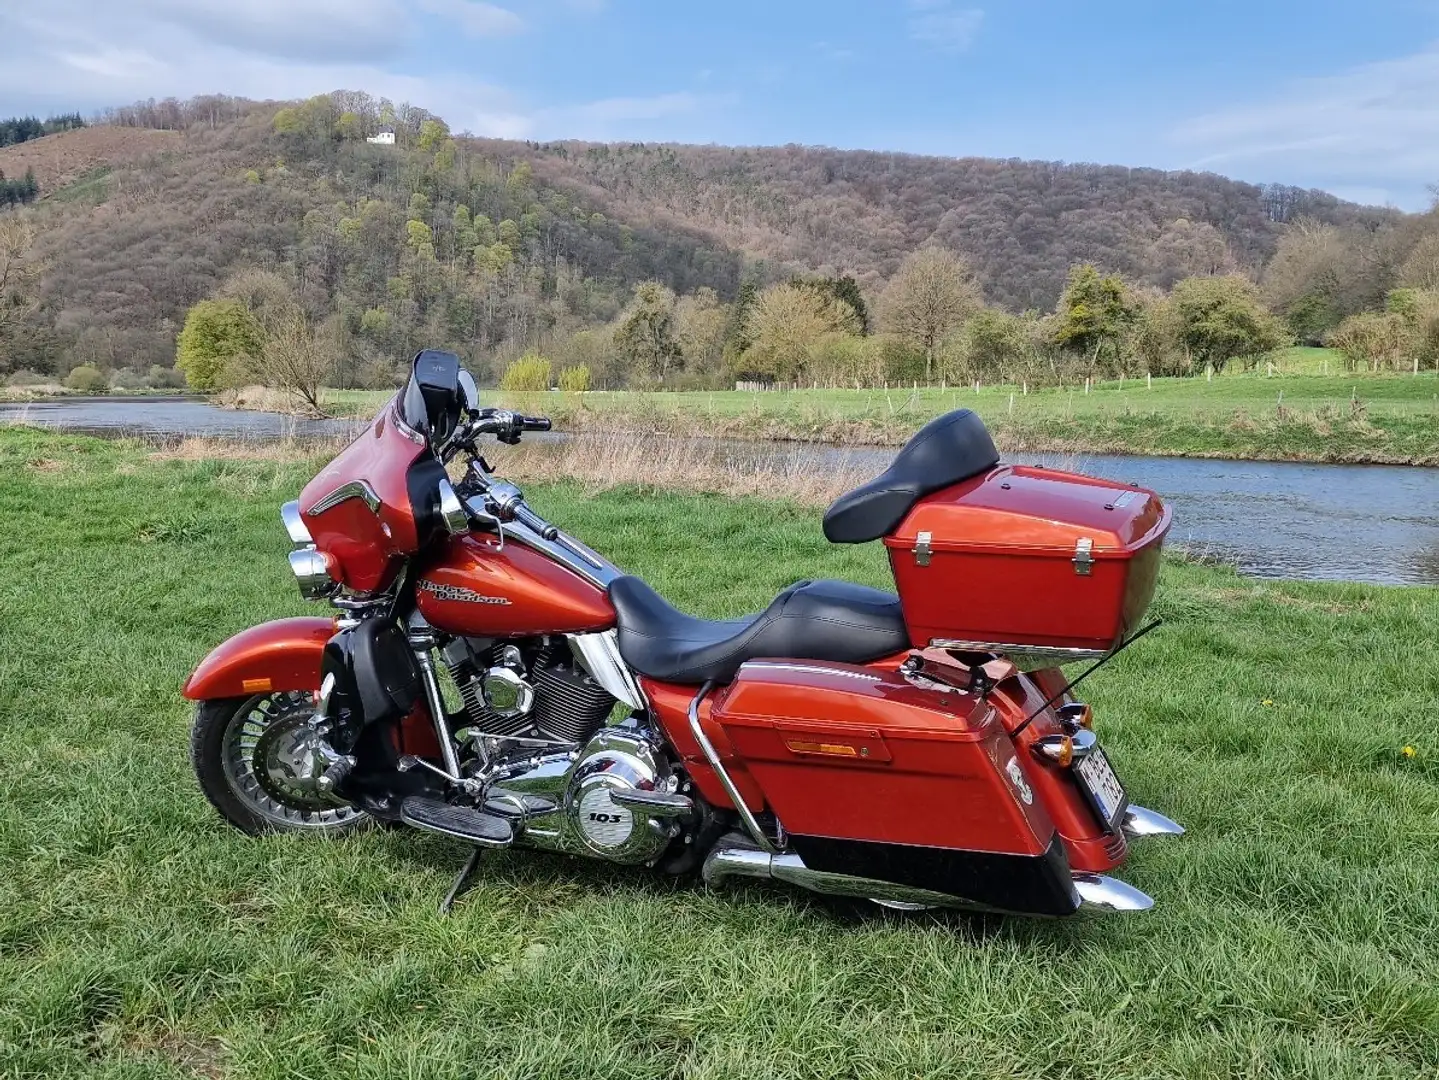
(281, 655)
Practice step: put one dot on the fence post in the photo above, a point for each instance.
(1149, 380)
(1011, 402)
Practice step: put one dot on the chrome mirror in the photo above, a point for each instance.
(470, 391)
(452, 510)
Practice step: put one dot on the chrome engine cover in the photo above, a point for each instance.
(584, 820)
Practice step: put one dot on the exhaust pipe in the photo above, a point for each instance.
(1092, 891)
(734, 860)
(1141, 822)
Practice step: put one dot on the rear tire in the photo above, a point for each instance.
(248, 768)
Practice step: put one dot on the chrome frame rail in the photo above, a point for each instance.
(750, 824)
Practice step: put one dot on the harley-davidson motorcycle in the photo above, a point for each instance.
(493, 679)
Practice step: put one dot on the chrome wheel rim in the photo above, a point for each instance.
(267, 763)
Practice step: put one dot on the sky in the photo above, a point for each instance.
(1338, 95)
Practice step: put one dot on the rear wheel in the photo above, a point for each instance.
(255, 761)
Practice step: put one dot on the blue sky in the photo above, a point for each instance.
(1343, 96)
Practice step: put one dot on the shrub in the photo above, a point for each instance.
(575, 379)
(529, 372)
(125, 379)
(27, 378)
(216, 333)
(167, 378)
(86, 378)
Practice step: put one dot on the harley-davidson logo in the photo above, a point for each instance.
(441, 591)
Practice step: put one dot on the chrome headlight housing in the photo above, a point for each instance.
(312, 573)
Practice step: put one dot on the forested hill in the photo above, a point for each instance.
(495, 247)
(1020, 224)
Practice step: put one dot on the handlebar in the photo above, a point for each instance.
(532, 521)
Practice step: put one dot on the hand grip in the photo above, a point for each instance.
(532, 521)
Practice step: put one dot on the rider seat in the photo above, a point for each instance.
(811, 620)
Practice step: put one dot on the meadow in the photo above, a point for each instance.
(1297, 413)
(1289, 726)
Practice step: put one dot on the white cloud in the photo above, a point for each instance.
(940, 26)
(1373, 129)
(474, 18)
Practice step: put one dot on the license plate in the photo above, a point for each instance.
(1097, 778)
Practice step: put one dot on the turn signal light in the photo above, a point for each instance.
(1057, 748)
(1064, 750)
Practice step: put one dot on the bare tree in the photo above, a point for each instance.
(930, 296)
(785, 324)
(295, 356)
(20, 269)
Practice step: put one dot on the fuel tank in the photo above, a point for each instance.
(477, 588)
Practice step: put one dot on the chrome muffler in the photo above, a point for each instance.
(1141, 822)
(1092, 892)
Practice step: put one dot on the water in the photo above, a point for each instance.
(1377, 523)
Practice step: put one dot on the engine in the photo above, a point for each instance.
(569, 798)
(533, 689)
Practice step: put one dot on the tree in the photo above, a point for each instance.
(645, 336)
(1371, 340)
(932, 293)
(20, 270)
(844, 289)
(700, 323)
(295, 357)
(1095, 313)
(784, 324)
(216, 333)
(994, 345)
(1220, 318)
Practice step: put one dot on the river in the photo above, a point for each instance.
(1376, 523)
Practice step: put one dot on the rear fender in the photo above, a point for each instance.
(275, 656)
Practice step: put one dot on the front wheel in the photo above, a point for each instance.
(256, 766)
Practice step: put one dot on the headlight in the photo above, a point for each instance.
(295, 524)
(312, 573)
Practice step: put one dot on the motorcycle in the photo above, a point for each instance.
(493, 679)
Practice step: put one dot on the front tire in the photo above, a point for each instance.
(249, 756)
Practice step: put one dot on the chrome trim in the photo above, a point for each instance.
(295, 523)
(312, 574)
(1014, 651)
(599, 654)
(599, 571)
(1141, 822)
(727, 861)
(750, 824)
(452, 511)
(354, 489)
(1102, 893)
(813, 669)
(1083, 743)
(397, 418)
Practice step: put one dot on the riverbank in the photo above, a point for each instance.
(1369, 419)
(138, 935)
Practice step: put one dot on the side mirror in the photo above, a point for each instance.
(470, 392)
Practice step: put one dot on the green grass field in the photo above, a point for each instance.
(139, 937)
(1293, 414)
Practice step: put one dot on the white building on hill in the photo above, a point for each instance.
(386, 137)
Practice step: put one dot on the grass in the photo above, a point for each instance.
(1293, 937)
(1369, 418)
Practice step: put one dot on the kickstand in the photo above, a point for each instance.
(463, 881)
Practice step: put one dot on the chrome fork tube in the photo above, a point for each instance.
(437, 711)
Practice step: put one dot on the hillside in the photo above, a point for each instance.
(1021, 224)
(492, 247)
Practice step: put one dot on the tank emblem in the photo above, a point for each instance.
(460, 593)
(1016, 777)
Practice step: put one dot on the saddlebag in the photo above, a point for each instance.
(875, 777)
(1029, 562)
